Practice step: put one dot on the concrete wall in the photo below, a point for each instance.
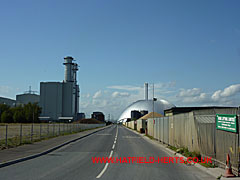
(51, 99)
(58, 99)
(68, 100)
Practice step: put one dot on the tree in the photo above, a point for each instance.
(3, 108)
(7, 117)
(18, 115)
(31, 111)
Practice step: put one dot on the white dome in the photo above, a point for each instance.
(159, 107)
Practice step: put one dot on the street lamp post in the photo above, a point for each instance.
(154, 99)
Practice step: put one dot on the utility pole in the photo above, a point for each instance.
(154, 99)
(153, 102)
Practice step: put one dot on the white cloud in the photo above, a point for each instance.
(111, 101)
(126, 88)
(171, 84)
(227, 92)
(202, 97)
(189, 92)
(231, 90)
(98, 94)
(117, 94)
(216, 95)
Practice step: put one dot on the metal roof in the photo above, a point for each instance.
(159, 107)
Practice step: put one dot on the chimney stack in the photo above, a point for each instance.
(146, 91)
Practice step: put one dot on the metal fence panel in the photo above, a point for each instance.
(15, 134)
(166, 130)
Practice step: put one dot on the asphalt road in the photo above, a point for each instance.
(74, 161)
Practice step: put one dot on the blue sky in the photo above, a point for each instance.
(190, 49)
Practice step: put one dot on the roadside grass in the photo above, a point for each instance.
(149, 136)
(185, 152)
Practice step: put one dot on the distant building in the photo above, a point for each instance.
(28, 97)
(149, 105)
(7, 101)
(81, 116)
(60, 100)
(209, 110)
(135, 115)
(98, 115)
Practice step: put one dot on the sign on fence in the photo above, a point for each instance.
(226, 122)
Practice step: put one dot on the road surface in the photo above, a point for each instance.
(74, 161)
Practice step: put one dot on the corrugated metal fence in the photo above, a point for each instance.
(197, 132)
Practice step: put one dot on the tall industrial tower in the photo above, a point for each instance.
(71, 77)
(60, 100)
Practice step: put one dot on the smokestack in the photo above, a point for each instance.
(68, 69)
(146, 91)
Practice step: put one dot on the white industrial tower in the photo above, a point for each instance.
(60, 100)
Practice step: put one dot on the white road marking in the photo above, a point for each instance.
(104, 134)
(111, 153)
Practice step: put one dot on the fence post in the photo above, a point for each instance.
(40, 133)
(6, 143)
(48, 130)
(53, 129)
(32, 133)
(20, 134)
(59, 129)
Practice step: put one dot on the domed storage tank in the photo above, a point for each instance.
(146, 105)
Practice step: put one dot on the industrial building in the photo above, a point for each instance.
(98, 116)
(81, 116)
(28, 97)
(60, 100)
(146, 105)
(21, 99)
(7, 101)
(210, 110)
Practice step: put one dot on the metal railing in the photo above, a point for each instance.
(16, 134)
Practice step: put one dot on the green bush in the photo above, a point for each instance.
(27, 113)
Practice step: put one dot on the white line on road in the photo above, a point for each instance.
(111, 153)
(105, 167)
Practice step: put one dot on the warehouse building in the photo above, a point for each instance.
(28, 97)
(60, 100)
(7, 101)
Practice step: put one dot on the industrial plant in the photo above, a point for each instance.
(60, 100)
(21, 99)
(144, 106)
